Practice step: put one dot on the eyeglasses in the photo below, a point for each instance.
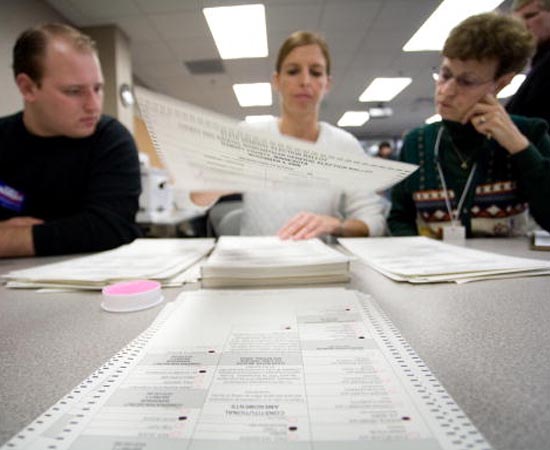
(463, 82)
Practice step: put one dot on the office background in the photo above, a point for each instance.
(166, 46)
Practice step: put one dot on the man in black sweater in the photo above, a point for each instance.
(69, 177)
(533, 97)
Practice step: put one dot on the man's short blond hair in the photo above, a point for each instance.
(30, 47)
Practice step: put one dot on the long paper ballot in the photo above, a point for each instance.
(203, 150)
(296, 369)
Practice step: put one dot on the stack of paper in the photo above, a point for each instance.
(163, 260)
(422, 260)
(540, 240)
(270, 261)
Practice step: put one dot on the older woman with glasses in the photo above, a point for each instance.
(481, 170)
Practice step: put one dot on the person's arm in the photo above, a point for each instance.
(16, 241)
(364, 214)
(16, 236)
(106, 217)
(402, 216)
(532, 156)
(490, 118)
(534, 173)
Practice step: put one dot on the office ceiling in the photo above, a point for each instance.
(365, 38)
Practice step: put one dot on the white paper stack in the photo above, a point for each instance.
(165, 260)
(419, 259)
(540, 240)
(270, 261)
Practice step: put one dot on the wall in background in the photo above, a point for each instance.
(16, 16)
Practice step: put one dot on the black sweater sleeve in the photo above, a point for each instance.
(402, 216)
(106, 217)
(534, 171)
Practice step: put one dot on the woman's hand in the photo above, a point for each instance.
(306, 225)
(489, 118)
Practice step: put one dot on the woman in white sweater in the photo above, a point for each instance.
(302, 78)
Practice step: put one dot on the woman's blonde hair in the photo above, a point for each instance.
(299, 39)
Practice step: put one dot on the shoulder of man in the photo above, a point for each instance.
(108, 124)
(112, 137)
(11, 122)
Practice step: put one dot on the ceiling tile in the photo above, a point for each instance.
(168, 6)
(193, 48)
(105, 10)
(345, 15)
(365, 38)
(151, 53)
(139, 28)
(180, 25)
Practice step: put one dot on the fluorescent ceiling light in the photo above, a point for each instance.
(353, 119)
(238, 31)
(253, 94)
(432, 119)
(514, 85)
(384, 89)
(432, 34)
(380, 112)
(258, 118)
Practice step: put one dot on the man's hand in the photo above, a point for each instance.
(16, 236)
(20, 222)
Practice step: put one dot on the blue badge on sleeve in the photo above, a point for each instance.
(11, 198)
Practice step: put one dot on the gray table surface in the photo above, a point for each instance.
(488, 343)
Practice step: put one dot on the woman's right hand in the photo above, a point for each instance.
(306, 225)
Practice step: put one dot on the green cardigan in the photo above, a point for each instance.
(505, 187)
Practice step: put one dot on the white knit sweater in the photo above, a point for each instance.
(265, 212)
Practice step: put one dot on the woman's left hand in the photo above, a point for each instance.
(490, 118)
(306, 225)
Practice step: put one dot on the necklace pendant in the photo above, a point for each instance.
(464, 165)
